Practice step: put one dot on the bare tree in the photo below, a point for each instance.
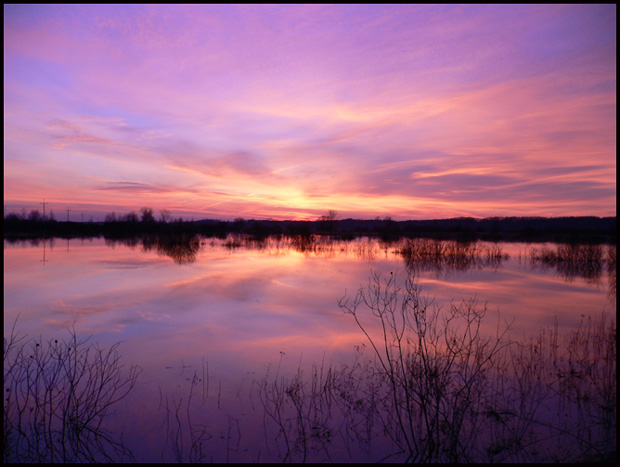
(147, 215)
(165, 215)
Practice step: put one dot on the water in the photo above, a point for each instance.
(210, 318)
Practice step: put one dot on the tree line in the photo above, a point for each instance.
(145, 220)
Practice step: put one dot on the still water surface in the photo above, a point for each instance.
(230, 311)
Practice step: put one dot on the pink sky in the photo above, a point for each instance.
(288, 111)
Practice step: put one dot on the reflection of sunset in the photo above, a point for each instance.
(259, 293)
(408, 111)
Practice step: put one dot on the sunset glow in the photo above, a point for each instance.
(289, 111)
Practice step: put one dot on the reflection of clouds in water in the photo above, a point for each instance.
(68, 315)
(112, 316)
(264, 307)
(229, 286)
(243, 288)
(63, 325)
(594, 264)
(265, 282)
(533, 298)
(611, 271)
(445, 258)
(260, 297)
(60, 307)
(136, 263)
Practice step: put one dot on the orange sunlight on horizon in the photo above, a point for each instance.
(287, 112)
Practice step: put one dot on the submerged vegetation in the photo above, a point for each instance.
(423, 254)
(575, 260)
(56, 396)
(590, 262)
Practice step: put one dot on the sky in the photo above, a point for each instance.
(290, 111)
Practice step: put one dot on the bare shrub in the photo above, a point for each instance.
(57, 395)
(436, 368)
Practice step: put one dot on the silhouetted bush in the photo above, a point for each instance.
(57, 395)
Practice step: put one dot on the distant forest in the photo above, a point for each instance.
(559, 229)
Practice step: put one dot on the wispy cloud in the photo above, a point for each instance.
(287, 111)
(133, 187)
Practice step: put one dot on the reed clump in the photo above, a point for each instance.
(303, 411)
(57, 396)
(427, 254)
(573, 260)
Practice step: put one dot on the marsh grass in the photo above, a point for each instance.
(198, 426)
(184, 438)
(57, 396)
(302, 412)
(574, 260)
(426, 254)
(560, 392)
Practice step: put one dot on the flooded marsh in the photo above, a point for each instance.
(310, 349)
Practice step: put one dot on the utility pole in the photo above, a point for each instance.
(44, 203)
(68, 214)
